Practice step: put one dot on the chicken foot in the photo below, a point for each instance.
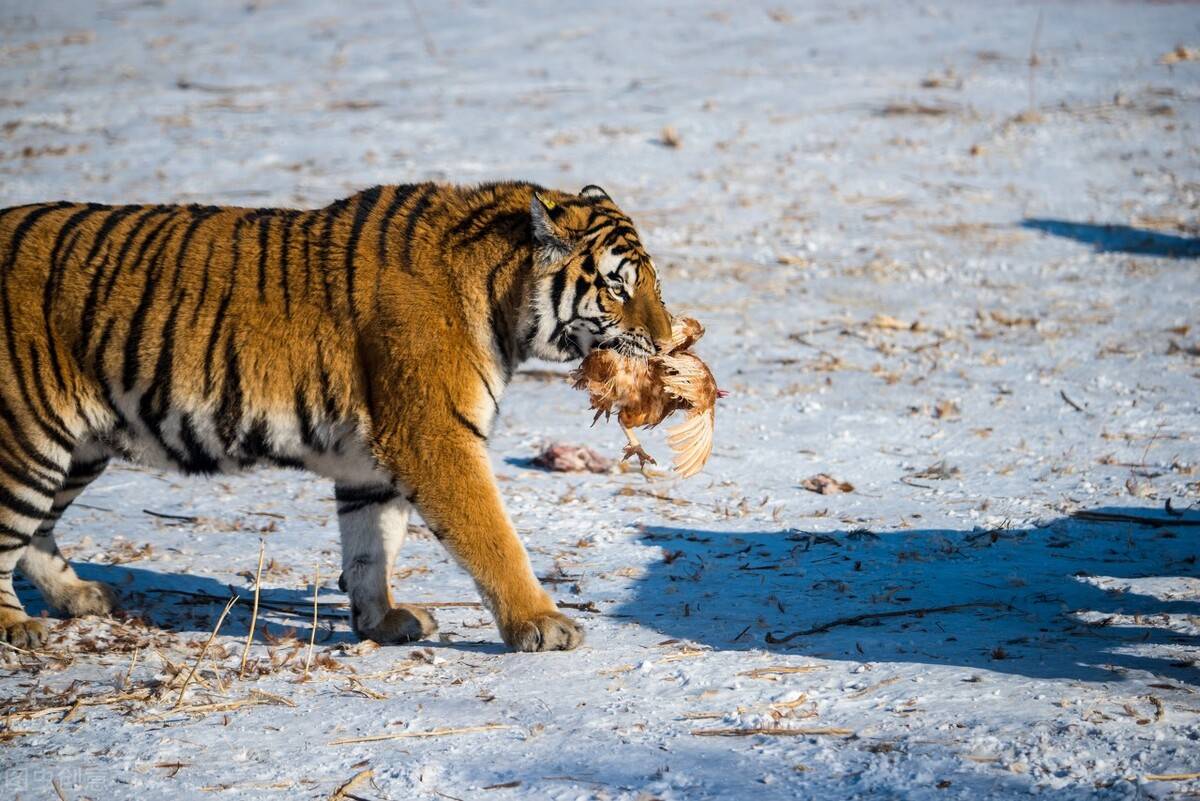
(634, 448)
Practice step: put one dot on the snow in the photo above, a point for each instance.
(818, 188)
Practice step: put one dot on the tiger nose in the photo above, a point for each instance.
(660, 327)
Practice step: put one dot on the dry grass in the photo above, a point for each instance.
(404, 735)
(256, 698)
(1180, 53)
(30, 713)
(343, 790)
(774, 673)
(204, 650)
(312, 639)
(914, 109)
(776, 731)
(262, 551)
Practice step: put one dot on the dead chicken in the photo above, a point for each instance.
(643, 392)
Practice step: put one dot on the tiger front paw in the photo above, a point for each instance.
(549, 631)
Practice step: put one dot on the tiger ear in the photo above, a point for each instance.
(593, 192)
(546, 214)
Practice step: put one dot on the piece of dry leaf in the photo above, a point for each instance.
(824, 484)
(889, 323)
(1011, 320)
(946, 410)
(1180, 53)
(939, 470)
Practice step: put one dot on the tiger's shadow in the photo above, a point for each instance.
(1021, 601)
(187, 602)
(1020, 591)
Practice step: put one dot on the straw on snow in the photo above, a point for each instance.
(262, 550)
(204, 650)
(402, 735)
(777, 731)
(312, 638)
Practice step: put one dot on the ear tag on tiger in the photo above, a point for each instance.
(549, 204)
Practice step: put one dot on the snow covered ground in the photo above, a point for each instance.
(966, 285)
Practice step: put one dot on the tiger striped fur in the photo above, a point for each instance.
(369, 342)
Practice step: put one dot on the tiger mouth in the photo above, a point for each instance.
(625, 347)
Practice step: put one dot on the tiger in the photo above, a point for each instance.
(368, 342)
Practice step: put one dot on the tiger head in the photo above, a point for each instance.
(594, 285)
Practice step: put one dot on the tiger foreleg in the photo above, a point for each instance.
(456, 494)
(373, 521)
(27, 488)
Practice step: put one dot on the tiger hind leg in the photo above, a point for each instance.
(29, 478)
(44, 565)
(373, 521)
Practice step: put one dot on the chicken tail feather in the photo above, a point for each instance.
(692, 442)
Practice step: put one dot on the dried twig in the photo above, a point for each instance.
(1063, 394)
(687, 653)
(289, 608)
(37, 712)
(911, 483)
(586, 606)
(282, 607)
(165, 516)
(402, 735)
(810, 731)
(256, 699)
(128, 673)
(1116, 517)
(262, 550)
(12, 734)
(356, 686)
(771, 672)
(72, 712)
(1171, 777)
(203, 651)
(874, 687)
(856, 620)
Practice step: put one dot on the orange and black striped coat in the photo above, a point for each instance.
(368, 341)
